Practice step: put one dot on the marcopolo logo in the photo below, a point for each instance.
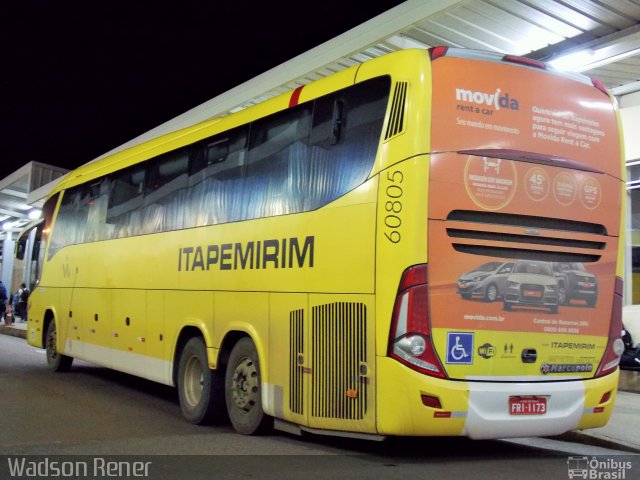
(495, 99)
(547, 368)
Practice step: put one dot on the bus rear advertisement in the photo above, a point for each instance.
(427, 244)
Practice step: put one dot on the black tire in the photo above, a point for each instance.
(200, 389)
(553, 309)
(466, 296)
(56, 362)
(563, 296)
(491, 293)
(243, 390)
(507, 306)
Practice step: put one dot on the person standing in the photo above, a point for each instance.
(3, 299)
(23, 296)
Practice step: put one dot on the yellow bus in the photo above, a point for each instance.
(429, 243)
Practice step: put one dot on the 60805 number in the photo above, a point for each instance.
(393, 206)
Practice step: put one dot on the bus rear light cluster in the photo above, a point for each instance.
(437, 52)
(529, 62)
(615, 345)
(410, 339)
(431, 401)
(600, 86)
(605, 398)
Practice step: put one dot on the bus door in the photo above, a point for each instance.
(128, 329)
(89, 324)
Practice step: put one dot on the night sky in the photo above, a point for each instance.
(80, 77)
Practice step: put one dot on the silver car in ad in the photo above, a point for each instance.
(531, 284)
(487, 281)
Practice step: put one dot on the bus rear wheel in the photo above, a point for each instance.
(56, 361)
(199, 387)
(243, 390)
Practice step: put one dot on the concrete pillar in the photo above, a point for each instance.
(6, 274)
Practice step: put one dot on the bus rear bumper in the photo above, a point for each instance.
(480, 409)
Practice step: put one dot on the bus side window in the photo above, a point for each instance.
(217, 173)
(344, 139)
(71, 221)
(278, 163)
(47, 213)
(166, 183)
(98, 200)
(125, 202)
(163, 173)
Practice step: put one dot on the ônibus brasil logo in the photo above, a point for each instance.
(598, 468)
(496, 99)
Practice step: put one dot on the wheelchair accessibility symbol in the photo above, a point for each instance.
(460, 348)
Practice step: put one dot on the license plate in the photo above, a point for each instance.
(527, 405)
(532, 293)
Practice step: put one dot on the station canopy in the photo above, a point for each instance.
(597, 38)
(23, 192)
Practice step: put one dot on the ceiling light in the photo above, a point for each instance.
(573, 62)
(35, 214)
(590, 59)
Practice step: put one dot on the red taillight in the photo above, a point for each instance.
(529, 62)
(410, 338)
(615, 345)
(431, 401)
(413, 276)
(605, 398)
(437, 52)
(600, 86)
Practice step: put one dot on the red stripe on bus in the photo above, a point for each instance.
(295, 97)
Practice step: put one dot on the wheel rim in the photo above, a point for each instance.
(193, 381)
(52, 352)
(562, 295)
(492, 293)
(244, 385)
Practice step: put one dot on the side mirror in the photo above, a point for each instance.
(21, 248)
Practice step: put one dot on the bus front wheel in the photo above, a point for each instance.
(199, 387)
(56, 361)
(243, 390)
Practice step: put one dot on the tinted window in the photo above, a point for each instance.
(166, 182)
(217, 189)
(125, 202)
(165, 171)
(344, 141)
(278, 153)
(292, 161)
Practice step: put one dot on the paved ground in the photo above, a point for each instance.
(622, 432)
